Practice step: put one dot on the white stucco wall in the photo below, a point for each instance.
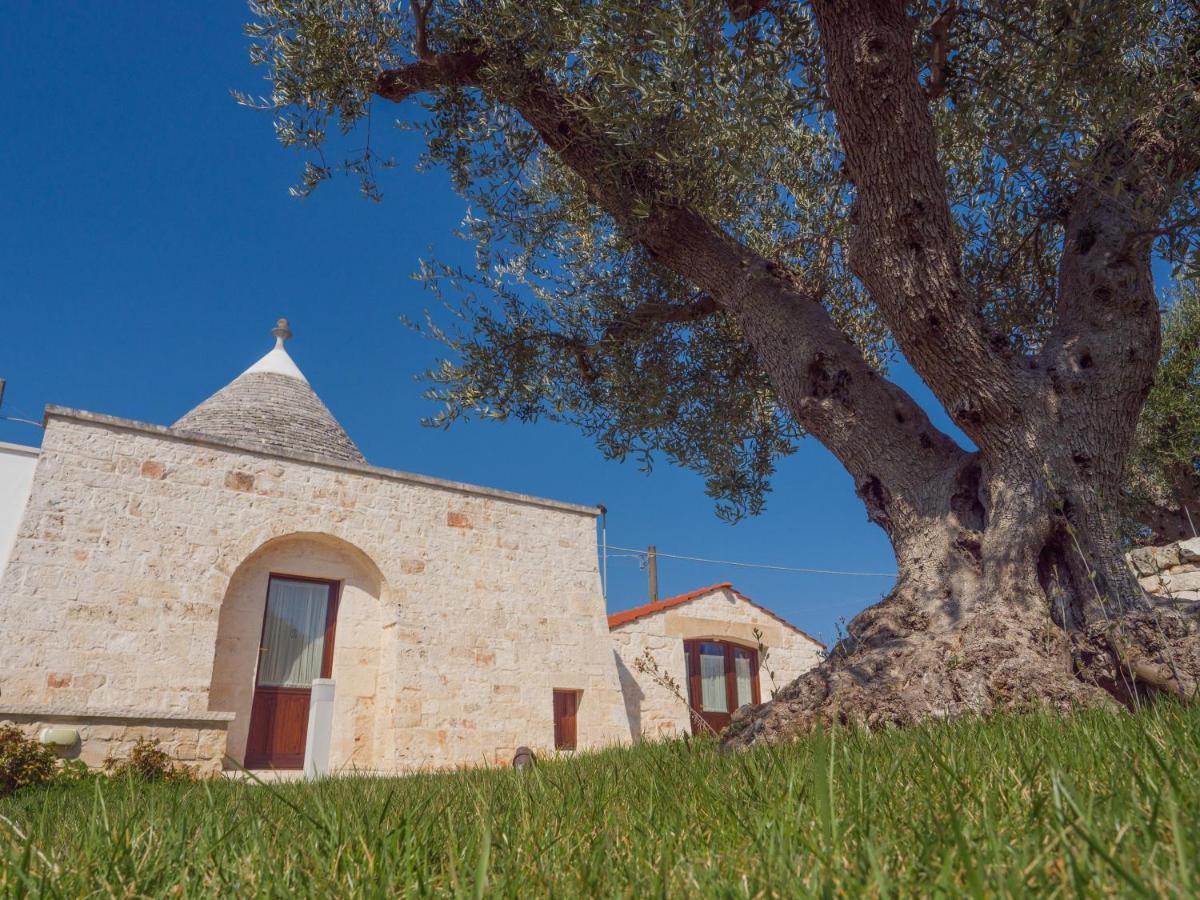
(16, 476)
(138, 575)
(721, 614)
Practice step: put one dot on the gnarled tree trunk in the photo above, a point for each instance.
(1013, 588)
(1012, 593)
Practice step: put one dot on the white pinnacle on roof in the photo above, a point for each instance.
(278, 361)
(272, 407)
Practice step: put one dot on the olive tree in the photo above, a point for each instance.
(1163, 477)
(704, 228)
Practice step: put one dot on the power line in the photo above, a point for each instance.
(3, 385)
(746, 565)
(22, 421)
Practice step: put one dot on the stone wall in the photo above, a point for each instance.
(1171, 571)
(198, 742)
(139, 570)
(720, 613)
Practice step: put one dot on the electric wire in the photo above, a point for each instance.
(745, 565)
(22, 421)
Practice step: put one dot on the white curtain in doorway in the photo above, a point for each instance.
(294, 633)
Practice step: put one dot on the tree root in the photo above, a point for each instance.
(1003, 658)
(1154, 649)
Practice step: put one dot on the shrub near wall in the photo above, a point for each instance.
(23, 761)
(26, 763)
(148, 762)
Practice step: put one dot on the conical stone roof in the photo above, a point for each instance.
(271, 406)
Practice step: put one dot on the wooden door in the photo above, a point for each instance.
(296, 647)
(721, 677)
(565, 705)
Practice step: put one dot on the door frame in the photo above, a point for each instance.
(717, 720)
(268, 759)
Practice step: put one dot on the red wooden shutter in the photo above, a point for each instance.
(692, 651)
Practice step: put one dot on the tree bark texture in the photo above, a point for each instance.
(1013, 589)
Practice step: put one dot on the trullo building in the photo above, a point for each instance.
(189, 583)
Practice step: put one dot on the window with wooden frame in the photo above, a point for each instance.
(566, 705)
(722, 676)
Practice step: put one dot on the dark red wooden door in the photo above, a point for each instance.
(296, 647)
(565, 705)
(278, 728)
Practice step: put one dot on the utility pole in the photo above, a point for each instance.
(603, 550)
(652, 566)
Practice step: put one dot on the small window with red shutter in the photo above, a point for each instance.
(565, 705)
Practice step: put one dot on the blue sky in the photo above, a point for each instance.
(148, 243)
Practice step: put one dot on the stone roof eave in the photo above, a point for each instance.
(172, 434)
(627, 616)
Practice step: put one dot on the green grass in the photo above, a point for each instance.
(1095, 804)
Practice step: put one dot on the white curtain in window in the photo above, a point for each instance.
(294, 633)
(741, 667)
(712, 678)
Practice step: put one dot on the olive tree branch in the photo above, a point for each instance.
(420, 11)
(940, 30)
(874, 427)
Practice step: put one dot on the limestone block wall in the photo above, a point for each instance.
(139, 570)
(198, 742)
(1172, 570)
(720, 613)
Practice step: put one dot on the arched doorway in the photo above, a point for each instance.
(313, 602)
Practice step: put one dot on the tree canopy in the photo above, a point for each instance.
(708, 106)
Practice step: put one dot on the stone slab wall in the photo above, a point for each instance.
(651, 708)
(1172, 570)
(198, 744)
(135, 539)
